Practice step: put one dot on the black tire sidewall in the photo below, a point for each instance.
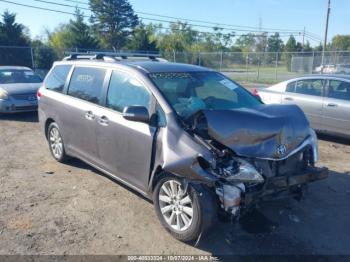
(63, 155)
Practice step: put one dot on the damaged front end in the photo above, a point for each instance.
(267, 157)
(243, 182)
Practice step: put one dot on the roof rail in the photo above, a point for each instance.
(111, 56)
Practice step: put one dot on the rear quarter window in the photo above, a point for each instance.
(291, 87)
(57, 78)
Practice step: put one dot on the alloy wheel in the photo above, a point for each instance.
(56, 143)
(175, 205)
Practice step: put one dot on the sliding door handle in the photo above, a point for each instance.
(89, 115)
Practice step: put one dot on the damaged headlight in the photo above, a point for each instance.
(242, 171)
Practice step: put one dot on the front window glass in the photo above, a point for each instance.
(13, 76)
(193, 91)
(339, 90)
(125, 90)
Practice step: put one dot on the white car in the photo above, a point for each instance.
(325, 100)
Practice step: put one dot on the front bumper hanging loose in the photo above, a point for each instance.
(281, 185)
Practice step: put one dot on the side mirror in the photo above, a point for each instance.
(136, 113)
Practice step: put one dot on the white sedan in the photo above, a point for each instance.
(325, 100)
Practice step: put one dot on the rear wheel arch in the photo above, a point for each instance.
(48, 122)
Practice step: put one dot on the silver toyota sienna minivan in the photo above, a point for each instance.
(190, 139)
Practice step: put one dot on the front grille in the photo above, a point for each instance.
(293, 164)
(25, 97)
(26, 108)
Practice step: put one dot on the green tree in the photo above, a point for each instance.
(113, 21)
(180, 37)
(246, 42)
(275, 43)
(261, 42)
(341, 43)
(80, 32)
(74, 35)
(43, 55)
(13, 34)
(307, 47)
(291, 45)
(143, 38)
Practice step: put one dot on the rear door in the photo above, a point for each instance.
(125, 147)
(308, 95)
(78, 113)
(337, 107)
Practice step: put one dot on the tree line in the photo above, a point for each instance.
(113, 25)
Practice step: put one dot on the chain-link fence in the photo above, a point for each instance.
(255, 67)
(267, 67)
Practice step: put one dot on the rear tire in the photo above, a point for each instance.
(185, 215)
(56, 144)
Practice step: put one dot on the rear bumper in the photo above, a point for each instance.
(279, 187)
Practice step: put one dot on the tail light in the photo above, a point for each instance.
(256, 94)
(38, 94)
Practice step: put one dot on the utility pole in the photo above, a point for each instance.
(326, 33)
(303, 38)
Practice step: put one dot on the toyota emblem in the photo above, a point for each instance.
(281, 150)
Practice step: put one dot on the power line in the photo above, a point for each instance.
(77, 2)
(157, 20)
(314, 36)
(196, 20)
(69, 13)
(166, 28)
(36, 7)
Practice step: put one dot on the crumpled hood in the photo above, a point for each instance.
(21, 88)
(269, 131)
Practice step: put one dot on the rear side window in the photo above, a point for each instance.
(312, 87)
(86, 83)
(124, 90)
(339, 90)
(56, 79)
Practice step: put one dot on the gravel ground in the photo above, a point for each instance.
(52, 208)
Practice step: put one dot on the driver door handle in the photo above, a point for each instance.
(288, 98)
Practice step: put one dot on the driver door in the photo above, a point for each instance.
(125, 147)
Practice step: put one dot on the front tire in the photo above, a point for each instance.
(185, 215)
(56, 144)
